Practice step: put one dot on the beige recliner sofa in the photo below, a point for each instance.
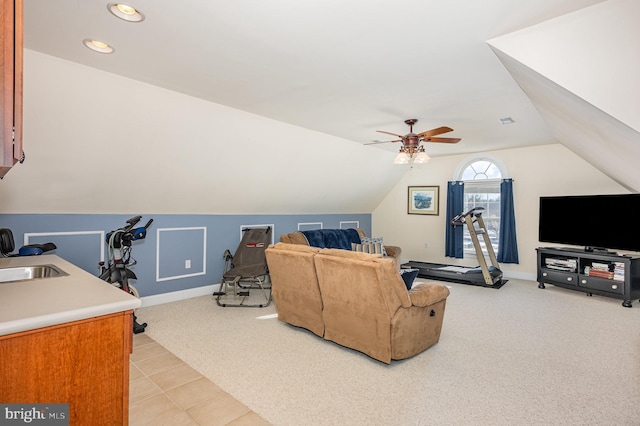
(357, 300)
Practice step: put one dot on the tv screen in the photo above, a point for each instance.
(592, 221)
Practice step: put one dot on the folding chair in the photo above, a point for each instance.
(246, 270)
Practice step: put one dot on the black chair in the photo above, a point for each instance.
(7, 246)
(246, 270)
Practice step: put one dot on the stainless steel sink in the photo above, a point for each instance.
(22, 273)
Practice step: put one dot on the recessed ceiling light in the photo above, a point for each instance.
(507, 120)
(98, 46)
(126, 12)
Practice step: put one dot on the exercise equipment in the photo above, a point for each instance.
(7, 245)
(245, 270)
(483, 275)
(116, 270)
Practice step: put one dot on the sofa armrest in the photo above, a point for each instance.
(294, 238)
(393, 251)
(426, 294)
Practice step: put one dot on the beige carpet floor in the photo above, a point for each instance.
(514, 356)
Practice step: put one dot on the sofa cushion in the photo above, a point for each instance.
(375, 248)
(294, 247)
(408, 276)
(351, 254)
(332, 238)
(374, 240)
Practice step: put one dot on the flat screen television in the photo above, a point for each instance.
(596, 222)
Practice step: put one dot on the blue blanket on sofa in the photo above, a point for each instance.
(332, 238)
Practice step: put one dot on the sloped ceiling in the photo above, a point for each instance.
(342, 68)
(211, 98)
(100, 143)
(581, 72)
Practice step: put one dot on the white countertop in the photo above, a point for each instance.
(37, 303)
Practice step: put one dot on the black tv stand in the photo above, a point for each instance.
(601, 273)
(600, 250)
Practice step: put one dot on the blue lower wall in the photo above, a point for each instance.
(171, 241)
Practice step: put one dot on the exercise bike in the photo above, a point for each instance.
(116, 271)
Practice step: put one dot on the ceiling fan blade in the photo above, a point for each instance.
(377, 142)
(389, 133)
(443, 140)
(433, 132)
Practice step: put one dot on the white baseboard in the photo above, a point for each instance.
(174, 296)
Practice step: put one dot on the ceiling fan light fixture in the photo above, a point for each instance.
(411, 142)
(125, 12)
(422, 156)
(98, 46)
(401, 158)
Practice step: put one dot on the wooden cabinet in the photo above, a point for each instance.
(601, 273)
(11, 51)
(84, 364)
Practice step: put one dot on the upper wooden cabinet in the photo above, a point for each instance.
(11, 45)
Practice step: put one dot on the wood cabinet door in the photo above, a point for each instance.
(11, 53)
(84, 364)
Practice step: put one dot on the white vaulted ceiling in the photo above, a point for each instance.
(342, 67)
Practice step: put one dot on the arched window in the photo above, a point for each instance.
(482, 176)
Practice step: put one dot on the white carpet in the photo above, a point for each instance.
(514, 356)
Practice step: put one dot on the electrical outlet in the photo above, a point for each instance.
(187, 264)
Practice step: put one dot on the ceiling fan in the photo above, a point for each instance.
(411, 142)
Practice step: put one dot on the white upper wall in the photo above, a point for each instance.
(593, 53)
(96, 142)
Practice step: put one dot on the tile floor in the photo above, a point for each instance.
(165, 390)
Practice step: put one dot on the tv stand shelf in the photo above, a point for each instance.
(602, 273)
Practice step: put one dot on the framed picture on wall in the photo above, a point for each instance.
(424, 200)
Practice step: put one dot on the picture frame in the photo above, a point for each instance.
(424, 200)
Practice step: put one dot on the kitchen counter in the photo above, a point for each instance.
(32, 304)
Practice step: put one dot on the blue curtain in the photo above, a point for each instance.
(453, 234)
(507, 244)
